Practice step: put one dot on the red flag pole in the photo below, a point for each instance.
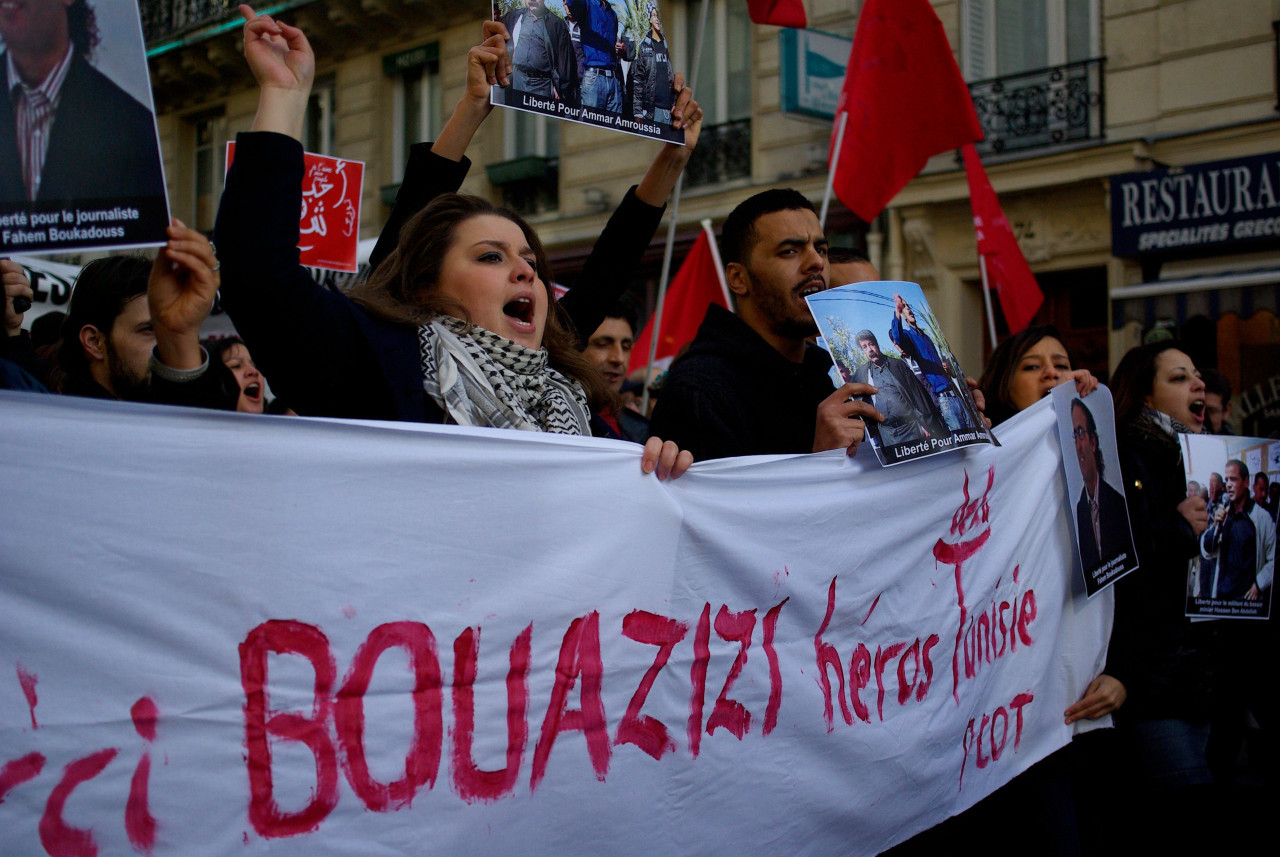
(986, 300)
(831, 173)
(671, 228)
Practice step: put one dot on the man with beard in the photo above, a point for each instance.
(110, 347)
(909, 413)
(749, 383)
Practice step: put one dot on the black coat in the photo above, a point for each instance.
(324, 354)
(1112, 524)
(1168, 664)
(733, 394)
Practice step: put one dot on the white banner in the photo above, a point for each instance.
(224, 634)
(52, 284)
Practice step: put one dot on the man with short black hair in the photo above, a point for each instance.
(749, 383)
(609, 349)
(1242, 538)
(1261, 489)
(849, 265)
(133, 325)
(1217, 402)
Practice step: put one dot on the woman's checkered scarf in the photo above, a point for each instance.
(482, 379)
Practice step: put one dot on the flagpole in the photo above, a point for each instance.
(715, 258)
(831, 173)
(671, 229)
(986, 300)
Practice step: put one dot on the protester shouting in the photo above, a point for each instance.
(457, 325)
(1168, 663)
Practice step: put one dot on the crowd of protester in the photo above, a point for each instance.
(456, 324)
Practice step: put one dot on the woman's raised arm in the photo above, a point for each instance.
(284, 65)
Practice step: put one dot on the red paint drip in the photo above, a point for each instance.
(18, 771)
(28, 682)
(871, 610)
(139, 823)
(775, 670)
(698, 679)
(59, 838)
(145, 714)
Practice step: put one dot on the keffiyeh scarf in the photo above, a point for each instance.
(482, 379)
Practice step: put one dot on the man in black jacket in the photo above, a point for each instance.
(1102, 519)
(649, 85)
(68, 132)
(750, 383)
(542, 53)
(132, 329)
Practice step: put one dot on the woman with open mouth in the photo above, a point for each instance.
(1169, 663)
(234, 354)
(458, 324)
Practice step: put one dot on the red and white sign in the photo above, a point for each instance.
(329, 225)
(260, 635)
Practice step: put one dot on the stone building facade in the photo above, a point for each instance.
(1071, 93)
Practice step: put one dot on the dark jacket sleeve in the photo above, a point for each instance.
(307, 339)
(566, 62)
(215, 388)
(426, 176)
(611, 265)
(641, 84)
(689, 413)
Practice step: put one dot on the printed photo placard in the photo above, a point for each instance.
(1233, 576)
(605, 63)
(86, 174)
(885, 335)
(1095, 489)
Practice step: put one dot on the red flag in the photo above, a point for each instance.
(695, 286)
(905, 100)
(1007, 269)
(779, 13)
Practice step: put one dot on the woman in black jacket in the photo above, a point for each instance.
(1167, 662)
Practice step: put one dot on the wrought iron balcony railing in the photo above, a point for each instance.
(162, 18)
(1036, 109)
(723, 153)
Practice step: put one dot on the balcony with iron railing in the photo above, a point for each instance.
(723, 154)
(162, 19)
(1039, 109)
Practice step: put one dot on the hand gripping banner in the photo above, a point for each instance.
(223, 634)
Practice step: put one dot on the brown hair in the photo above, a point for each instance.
(404, 288)
(997, 378)
(1135, 378)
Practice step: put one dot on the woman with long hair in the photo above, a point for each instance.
(1167, 661)
(458, 324)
